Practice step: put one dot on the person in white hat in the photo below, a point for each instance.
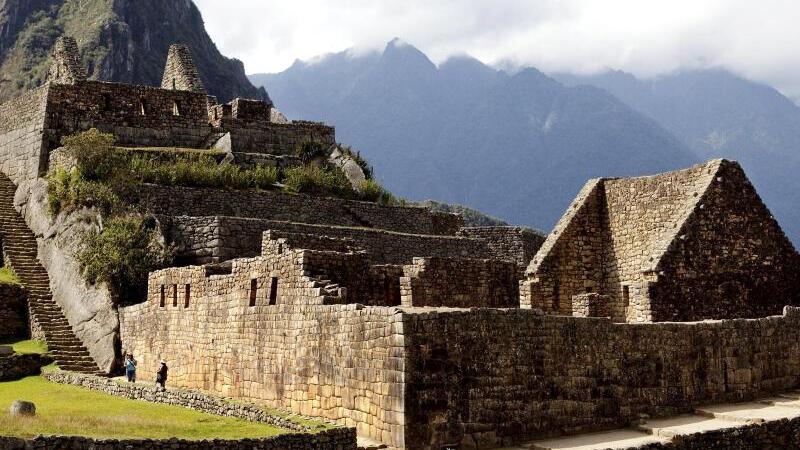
(161, 375)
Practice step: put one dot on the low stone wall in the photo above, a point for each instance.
(197, 401)
(13, 311)
(460, 283)
(337, 439)
(273, 205)
(15, 367)
(777, 435)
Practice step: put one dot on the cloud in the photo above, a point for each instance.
(756, 39)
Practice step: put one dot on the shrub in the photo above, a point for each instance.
(315, 180)
(123, 254)
(95, 155)
(307, 151)
(372, 191)
(70, 189)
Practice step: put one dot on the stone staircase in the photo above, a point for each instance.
(20, 248)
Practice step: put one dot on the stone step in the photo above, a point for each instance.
(618, 439)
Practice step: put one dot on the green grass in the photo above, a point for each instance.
(26, 347)
(74, 411)
(7, 276)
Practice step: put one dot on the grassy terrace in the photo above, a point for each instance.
(74, 411)
(7, 276)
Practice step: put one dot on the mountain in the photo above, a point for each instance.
(120, 40)
(718, 114)
(515, 146)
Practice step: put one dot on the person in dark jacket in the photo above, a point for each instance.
(161, 376)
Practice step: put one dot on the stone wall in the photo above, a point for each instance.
(342, 363)
(13, 311)
(195, 400)
(570, 260)
(337, 439)
(725, 265)
(207, 239)
(534, 376)
(15, 367)
(181, 201)
(136, 115)
(687, 245)
(779, 434)
(22, 125)
(516, 244)
(180, 72)
(460, 283)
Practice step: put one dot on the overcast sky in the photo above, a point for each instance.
(759, 39)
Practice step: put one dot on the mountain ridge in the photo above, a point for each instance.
(512, 145)
(120, 40)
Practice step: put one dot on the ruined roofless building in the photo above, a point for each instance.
(687, 245)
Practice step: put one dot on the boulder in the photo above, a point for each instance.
(22, 408)
(6, 350)
(355, 175)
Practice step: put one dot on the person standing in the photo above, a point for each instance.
(130, 368)
(161, 375)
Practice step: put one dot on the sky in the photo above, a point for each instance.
(757, 39)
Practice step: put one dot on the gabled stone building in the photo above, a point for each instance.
(687, 245)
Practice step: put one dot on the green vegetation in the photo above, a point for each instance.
(27, 347)
(313, 180)
(372, 191)
(70, 410)
(7, 276)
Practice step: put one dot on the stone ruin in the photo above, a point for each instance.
(417, 331)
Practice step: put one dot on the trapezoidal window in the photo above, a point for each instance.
(176, 108)
(106, 102)
(273, 291)
(626, 296)
(163, 296)
(187, 295)
(253, 291)
(175, 295)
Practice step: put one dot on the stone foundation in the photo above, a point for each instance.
(13, 311)
(15, 367)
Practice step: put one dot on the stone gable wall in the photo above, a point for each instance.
(180, 72)
(570, 260)
(460, 283)
(13, 311)
(181, 201)
(642, 217)
(727, 265)
(487, 377)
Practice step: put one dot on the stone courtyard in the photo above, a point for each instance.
(652, 297)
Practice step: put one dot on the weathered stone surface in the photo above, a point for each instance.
(88, 308)
(687, 245)
(22, 408)
(15, 367)
(337, 439)
(6, 350)
(13, 311)
(353, 172)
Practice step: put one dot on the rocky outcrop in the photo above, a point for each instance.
(88, 308)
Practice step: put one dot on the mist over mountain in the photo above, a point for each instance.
(515, 146)
(718, 114)
(120, 40)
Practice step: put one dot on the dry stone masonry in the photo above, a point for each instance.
(415, 331)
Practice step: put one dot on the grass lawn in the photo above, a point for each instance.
(74, 411)
(27, 347)
(7, 276)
